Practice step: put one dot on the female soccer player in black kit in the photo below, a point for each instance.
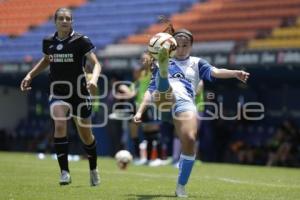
(66, 52)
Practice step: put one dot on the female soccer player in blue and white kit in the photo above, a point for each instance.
(174, 82)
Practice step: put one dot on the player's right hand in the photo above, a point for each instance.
(92, 87)
(25, 84)
(242, 75)
(137, 118)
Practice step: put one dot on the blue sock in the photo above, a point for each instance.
(162, 84)
(185, 168)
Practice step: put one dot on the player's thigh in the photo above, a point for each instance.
(186, 125)
(59, 111)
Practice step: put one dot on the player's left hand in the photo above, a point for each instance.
(137, 117)
(242, 75)
(92, 87)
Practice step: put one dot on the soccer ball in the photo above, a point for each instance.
(123, 158)
(160, 40)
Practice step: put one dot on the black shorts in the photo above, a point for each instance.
(149, 115)
(80, 107)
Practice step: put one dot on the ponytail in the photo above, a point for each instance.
(168, 25)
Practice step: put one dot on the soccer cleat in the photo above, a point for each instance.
(176, 165)
(65, 178)
(94, 177)
(142, 161)
(180, 191)
(155, 163)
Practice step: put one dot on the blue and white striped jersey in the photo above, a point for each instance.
(184, 76)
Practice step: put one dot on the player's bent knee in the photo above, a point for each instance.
(189, 139)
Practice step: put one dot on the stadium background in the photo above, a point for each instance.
(254, 35)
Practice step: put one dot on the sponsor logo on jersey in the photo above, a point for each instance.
(178, 75)
(61, 57)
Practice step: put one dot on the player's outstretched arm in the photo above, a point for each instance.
(36, 70)
(146, 100)
(226, 73)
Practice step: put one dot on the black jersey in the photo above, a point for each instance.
(67, 59)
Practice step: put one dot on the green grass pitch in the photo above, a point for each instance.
(23, 176)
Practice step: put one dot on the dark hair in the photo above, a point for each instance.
(169, 28)
(184, 32)
(62, 10)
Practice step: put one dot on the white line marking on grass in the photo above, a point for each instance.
(234, 181)
(148, 175)
(223, 179)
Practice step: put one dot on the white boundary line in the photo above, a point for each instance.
(235, 181)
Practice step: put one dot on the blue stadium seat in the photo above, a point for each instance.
(3, 38)
(105, 22)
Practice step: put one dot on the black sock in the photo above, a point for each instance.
(149, 148)
(61, 148)
(136, 147)
(92, 154)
